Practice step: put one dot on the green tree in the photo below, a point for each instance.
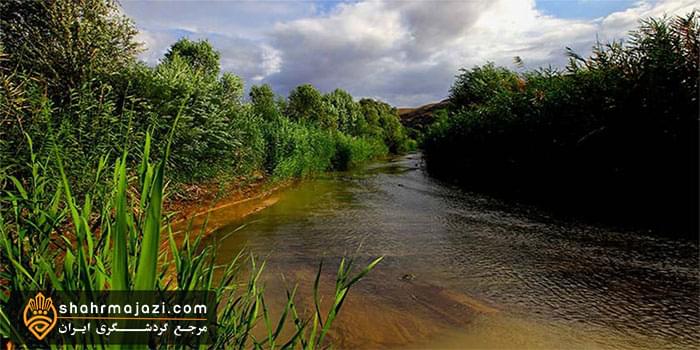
(200, 55)
(305, 103)
(263, 102)
(383, 123)
(231, 89)
(344, 109)
(65, 43)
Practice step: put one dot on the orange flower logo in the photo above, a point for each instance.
(40, 316)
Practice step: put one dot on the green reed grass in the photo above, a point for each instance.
(117, 248)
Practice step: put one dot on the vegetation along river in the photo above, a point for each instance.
(463, 270)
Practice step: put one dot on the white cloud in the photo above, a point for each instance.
(405, 52)
(621, 22)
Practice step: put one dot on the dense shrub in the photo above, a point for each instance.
(103, 103)
(344, 109)
(351, 151)
(199, 55)
(66, 43)
(305, 104)
(614, 135)
(209, 132)
(382, 121)
(302, 150)
(314, 132)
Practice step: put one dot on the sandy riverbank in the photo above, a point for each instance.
(234, 203)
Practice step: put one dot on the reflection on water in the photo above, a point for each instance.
(462, 270)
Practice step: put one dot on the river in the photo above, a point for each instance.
(463, 270)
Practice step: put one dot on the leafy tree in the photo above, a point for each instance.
(305, 103)
(263, 102)
(383, 123)
(200, 55)
(65, 43)
(231, 89)
(344, 109)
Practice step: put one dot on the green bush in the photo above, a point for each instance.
(199, 55)
(614, 135)
(302, 151)
(107, 110)
(213, 126)
(351, 151)
(382, 121)
(65, 43)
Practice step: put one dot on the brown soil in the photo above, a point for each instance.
(238, 199)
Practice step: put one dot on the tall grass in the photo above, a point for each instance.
(85, 145)
(117, 248)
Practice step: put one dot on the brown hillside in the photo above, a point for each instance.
(419, 118)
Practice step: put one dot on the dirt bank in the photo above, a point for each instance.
(236, 201)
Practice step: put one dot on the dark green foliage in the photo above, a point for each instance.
(315, 132)
(351, 151)
(478, 85)
(343, 109)
(231, 89)
(199, 55)
(65, 43)
(208, 134)
(263, 101)
(305, 104)
(382, 120)
(614, 136)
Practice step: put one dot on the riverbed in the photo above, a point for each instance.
(463, 270)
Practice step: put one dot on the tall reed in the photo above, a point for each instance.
(118, 248)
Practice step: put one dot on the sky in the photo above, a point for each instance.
(403, 52)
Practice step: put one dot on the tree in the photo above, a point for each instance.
(64, 43)
(232, 88)
(306, 104)
(199, 55)
(263, 101)
(344, 109)
(383, 122)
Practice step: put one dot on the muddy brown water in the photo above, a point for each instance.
(463, 270)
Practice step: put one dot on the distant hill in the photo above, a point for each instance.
(420, 117)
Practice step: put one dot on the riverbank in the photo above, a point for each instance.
(235, 201)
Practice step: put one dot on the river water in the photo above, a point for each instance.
(462, 270)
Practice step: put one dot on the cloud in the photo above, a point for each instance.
(404, 52)
(408, 52)
(237, 29)
(623, 21)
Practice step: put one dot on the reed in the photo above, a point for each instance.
(117, 248)
(613, 136)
